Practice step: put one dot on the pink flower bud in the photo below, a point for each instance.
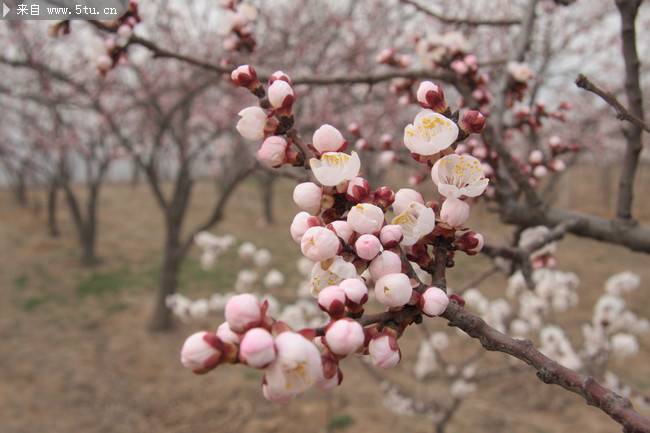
(200, 352)
(226, 335)
(243, 312)
(367, 246)
(358, 189)
(308, 196)
(470, 242)
(300, 224)
(391, 235)
(386, 263)
(480, 152)
(356, 292)
(104, 63)
(332, 300)
(124, 31)
(540, 171)
(384, 351)
(472, 122)
(430, 95)
(454, 212)
(244, 76)
(555, 142)
(459, 67)
(344, 337)
(536, 157)
(252, 123)
(404, 197)
(273, 151)
(366, 218)
(279, 75)
(342, 230)
(361, 144)
(557, 165)
(319, 243)
(328, 139)
(354, 128)
(257, 348)
(434, 301)
(384, 196)
(281, 94)
(393, 290)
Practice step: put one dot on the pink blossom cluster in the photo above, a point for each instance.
(117, 43)
(238, 27)
(346, 229)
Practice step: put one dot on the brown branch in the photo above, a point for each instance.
(498, 22)
(622, 113)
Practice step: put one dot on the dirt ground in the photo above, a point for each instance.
(75, 355)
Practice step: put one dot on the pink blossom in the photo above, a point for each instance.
(243, 312)
(301, 223)
(332, 300)
(104, 62)
(367, 246)
(393, 290)
(328, 139)
(279, 75)
(386, 263)
(536, 157)
(430, 95)
(281, 94)
(124, 31)
(384, 351)
(257, 348)
(472, 122)
(480, 152)
(434, 301)
(355, 290)
(358, 189)
(342, 230)
(386, 159)
(226, 334)
(404, 197)
(200, 352)
(273, 151)
(252, 122)
(366, 218)
(454, 212)
(391, 235)
(459, 176)
(308, 196)
(334, 168)
(430, 133)
(344, 337)
(416, 222)
(557, 165)
(297, 367)
(244, 75)
(540, 171)
(459, 67)
(319, 243)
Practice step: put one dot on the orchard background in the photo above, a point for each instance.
(119, 146)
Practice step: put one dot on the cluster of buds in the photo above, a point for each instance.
(343, 229)
(535, 116)
(519, 75)
(384, 146)
(390, 57)
(116, 44)
(238, 29)
(540, 163)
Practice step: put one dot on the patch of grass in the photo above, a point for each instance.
(340, 422)
(20, 282)
(100, 283)
(252, 375)
(31, 304)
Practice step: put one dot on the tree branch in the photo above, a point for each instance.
(502, 22)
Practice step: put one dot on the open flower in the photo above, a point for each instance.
(393, 290)
(329, 273)
(297, 367)
(416, 221)
(459, 176)
(430, 133)
(319, 243)
(252, 123)
(334, 168)
(366, 218)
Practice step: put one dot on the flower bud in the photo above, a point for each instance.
(201, 352)
(257, 348)
(540, 171)
(557, 165)
(252, 123)
(536, 157)
(454, 212)
(385, 263)
(243, 312)
(342, 230)
(393, 290)
(226, 335)
(391, 235)
(459, 67)
(124, 31)
(384, 351)
(273, 151)
(279, 75)
(366, 218)
(332, 300)
(472, 122)
(104, 63)
(244, 76)
(433, 301)
(367, 246)
(319, 243)
(354, 128)
(361, 144)
(281, 94)
(430, 95)
(470, 242)
(356, 292)
(328, 139)
(358, 189)
(344, 337)
(301, 223)
(308, 196)
(384, 196)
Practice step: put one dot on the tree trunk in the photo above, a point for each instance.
(173, 258)
(20, 191)
(52, 202)
(266, 182)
